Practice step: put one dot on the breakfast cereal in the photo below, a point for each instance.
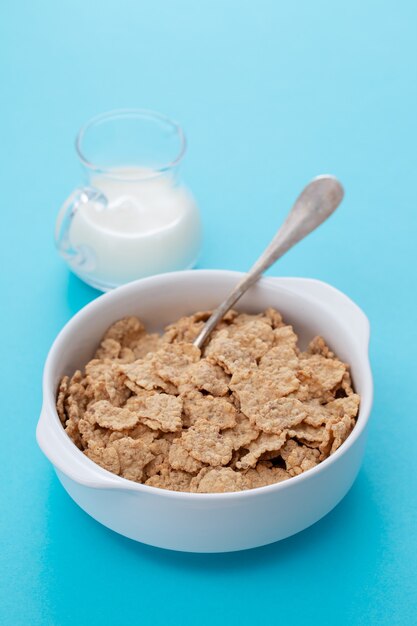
(248, 410)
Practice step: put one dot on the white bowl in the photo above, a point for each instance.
(208, 522)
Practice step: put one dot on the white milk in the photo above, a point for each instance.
(146, 227)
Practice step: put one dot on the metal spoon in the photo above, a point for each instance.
(315, 204)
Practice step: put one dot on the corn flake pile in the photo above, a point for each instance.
(249, 410)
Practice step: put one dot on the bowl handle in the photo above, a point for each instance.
(66, 461)
(340, 303)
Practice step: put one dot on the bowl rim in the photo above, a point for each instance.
(113, 481)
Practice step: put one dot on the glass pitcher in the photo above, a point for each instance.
(133, 218)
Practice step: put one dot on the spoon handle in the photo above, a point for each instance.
(313, 206)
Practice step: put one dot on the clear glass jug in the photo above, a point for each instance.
(134, 218)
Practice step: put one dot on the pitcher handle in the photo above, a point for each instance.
(80, 257)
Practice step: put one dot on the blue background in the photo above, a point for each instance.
(270, 94)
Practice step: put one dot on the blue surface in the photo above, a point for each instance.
(270, 94)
